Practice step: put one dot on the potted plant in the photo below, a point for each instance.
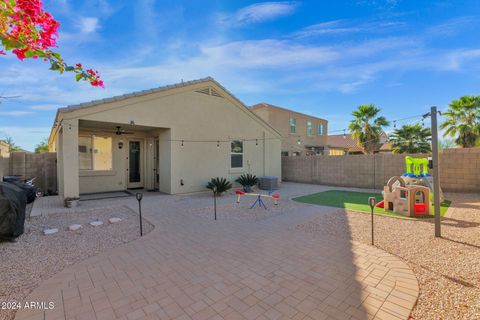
(247, 181)
(71, 202)
(221, 184)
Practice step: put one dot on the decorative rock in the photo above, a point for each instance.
(74, 227)
(50, 231)
(114, 220)
(96, 223)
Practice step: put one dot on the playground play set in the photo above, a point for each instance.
(258, 200)
(409, 195)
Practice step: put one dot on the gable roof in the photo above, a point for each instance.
(264, 105)
(141, 93)
(346, 141)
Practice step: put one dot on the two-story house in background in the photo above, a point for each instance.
(301, 134)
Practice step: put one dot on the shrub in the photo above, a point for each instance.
(247, 180)
(221, 183)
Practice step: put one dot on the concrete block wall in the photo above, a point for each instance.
(43, 166)
(4, 166)
(459, 169)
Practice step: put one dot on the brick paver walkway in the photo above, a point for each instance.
(190, 267)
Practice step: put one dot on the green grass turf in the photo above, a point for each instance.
(357, 201)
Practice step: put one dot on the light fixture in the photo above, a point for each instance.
(218, 144)
(299, 142)
(256, 142)
(182, 143)
(120, 145)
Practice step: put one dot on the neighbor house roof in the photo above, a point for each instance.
(343, 141)
(346, 141)
(264, 105)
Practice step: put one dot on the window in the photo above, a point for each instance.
(284, 153)
(320, 129)
(95, 153)
(293, 125)
(236, 154)
(309, 128)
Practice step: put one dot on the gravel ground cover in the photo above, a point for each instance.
(448, 269)
(35, 257)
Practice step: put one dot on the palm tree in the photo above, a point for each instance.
(367, 127)
(463, 121)
(411, 139)
(12, 145)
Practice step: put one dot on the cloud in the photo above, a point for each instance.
(326, 28)
(15, 113)
(345, 27)
(451, 27)
(45, 107)
(88, 25)
(259, 12)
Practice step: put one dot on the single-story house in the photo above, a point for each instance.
(173, 139)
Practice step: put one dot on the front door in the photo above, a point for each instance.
(135, 164)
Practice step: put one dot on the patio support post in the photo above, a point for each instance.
(70, 164)
(436, 176)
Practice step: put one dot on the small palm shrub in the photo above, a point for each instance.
(247, 181)
(221, 183)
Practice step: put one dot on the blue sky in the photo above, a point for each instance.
(319, 57)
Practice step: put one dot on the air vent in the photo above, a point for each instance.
(210, 91)
(204, 91)
(216, 94)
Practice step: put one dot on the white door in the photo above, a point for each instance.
(135, 164)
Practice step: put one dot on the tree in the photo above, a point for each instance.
(446, 144)
(30, 32)
(367, 127)
(42, 147)
(12, 145)
(411, 139)
(463, 121)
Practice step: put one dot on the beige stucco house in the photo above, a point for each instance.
(301, 134)
(342, 144)
(4, 149)
(173, 139)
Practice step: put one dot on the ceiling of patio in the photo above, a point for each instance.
(112, 126)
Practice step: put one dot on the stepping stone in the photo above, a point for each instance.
(50, 231)
(96, 223)
(74, 227)
(114, 220)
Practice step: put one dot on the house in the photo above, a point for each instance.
(302, 134)
(341, 144)
(173, 139)
(4, 149)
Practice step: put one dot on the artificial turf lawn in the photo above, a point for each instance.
(357, 201)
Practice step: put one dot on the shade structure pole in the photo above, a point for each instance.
(436, 176)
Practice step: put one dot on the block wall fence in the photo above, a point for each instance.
(459, 169)
(43, 166)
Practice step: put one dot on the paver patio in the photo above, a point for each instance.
(191, 267)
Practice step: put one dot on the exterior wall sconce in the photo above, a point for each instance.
(256, 142)
(218, 144)
(181, 182)
(120, 145)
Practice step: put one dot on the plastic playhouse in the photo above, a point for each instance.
(409, 195)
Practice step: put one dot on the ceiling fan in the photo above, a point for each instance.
(121, 131)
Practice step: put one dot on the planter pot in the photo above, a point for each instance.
(247, 189)
(71, 203)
